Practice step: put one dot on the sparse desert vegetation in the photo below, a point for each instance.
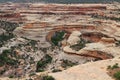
(114, 71)
(57, 37)
(43, 63)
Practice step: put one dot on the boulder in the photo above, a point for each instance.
(74, 38)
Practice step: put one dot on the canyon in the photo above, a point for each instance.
(85, 35)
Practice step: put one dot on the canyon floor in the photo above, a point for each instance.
(65, 41)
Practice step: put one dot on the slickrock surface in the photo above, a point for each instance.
(89, 71)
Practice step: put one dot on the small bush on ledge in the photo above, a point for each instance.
(44, 77)
(79, 45)
(48, 78)
(117, 75)
(57, 37)
(114, 71)
(43, 63)
(114, 66)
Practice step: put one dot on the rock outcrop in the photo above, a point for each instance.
(74, 38)
(92, 71)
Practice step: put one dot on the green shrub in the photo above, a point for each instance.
(79, 45)
(8, 26)
(5, 37)
(57, 37)
(2, 71)
(114, 66)
(117, 75)
(31, 43)
(67, 63)
(106, 17)
(109, 67)
(11, 76)
(32, 74)
(48, 78)
(118, 43)
(48, 58)
(56, 70)
(42, 63)
(5, 59)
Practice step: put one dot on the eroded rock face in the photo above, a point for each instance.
(92, 29)
(96, 50)
(74, 38)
